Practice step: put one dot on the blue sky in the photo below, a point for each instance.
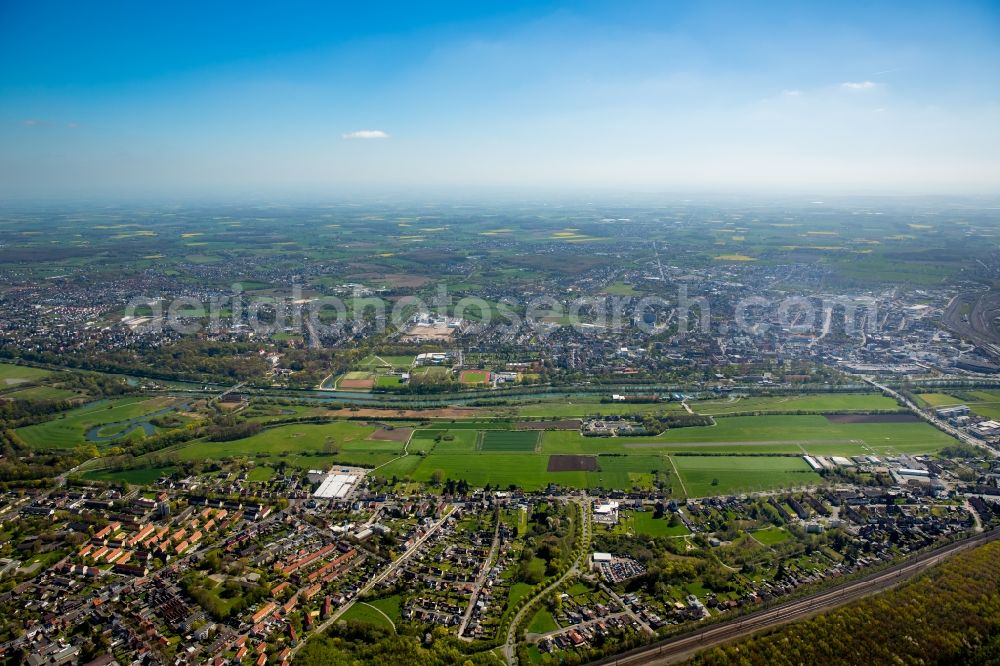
(210, 98)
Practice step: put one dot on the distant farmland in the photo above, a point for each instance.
(510, 440)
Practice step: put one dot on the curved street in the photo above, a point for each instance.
(510, 653)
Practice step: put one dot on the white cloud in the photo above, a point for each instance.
(34, 122)
(859, 85)
(366, 134)
(791, 93)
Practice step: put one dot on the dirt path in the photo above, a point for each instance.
(509, 645)
(406, 452)
(379, 611)
(678, 474)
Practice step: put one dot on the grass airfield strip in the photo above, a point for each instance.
(832, 402)
(761, 434)
(784, 445)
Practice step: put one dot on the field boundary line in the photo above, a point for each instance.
(406, 452)
(678, 473)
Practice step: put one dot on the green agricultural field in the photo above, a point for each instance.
(509, 440)
(402, 468)
(638, 470)
(821, 402)
(578, 408)
(505, 457)
(530, 470)
(937, 399)
(444, 441)
(571, 441)
(764, 434)
(525, 470)
(141, 476)
(42, 393)
(982, 403)
(12, 375)
(493, 424)
(418, 446)
(990, 410)
(373, 445)
(703, 476)
(70, 428)
(301, 445)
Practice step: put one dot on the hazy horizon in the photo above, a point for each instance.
(303, 101)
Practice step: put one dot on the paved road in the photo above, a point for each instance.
(510, 654)
(679, 649)
(481, 579)
(628, 611)
(375, 581)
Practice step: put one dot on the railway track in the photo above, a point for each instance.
(976, 325)
(681, 648)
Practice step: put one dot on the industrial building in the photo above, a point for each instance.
(336, 486)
